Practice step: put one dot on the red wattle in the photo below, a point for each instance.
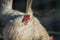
(26, 19)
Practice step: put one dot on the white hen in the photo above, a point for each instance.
(25, 27)
(7, 13)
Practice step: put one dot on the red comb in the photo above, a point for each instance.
(26, 19)
(51, 38)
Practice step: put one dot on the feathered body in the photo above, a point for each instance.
(17, 30)
(25, 27)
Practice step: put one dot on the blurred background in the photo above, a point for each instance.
(47, 11)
